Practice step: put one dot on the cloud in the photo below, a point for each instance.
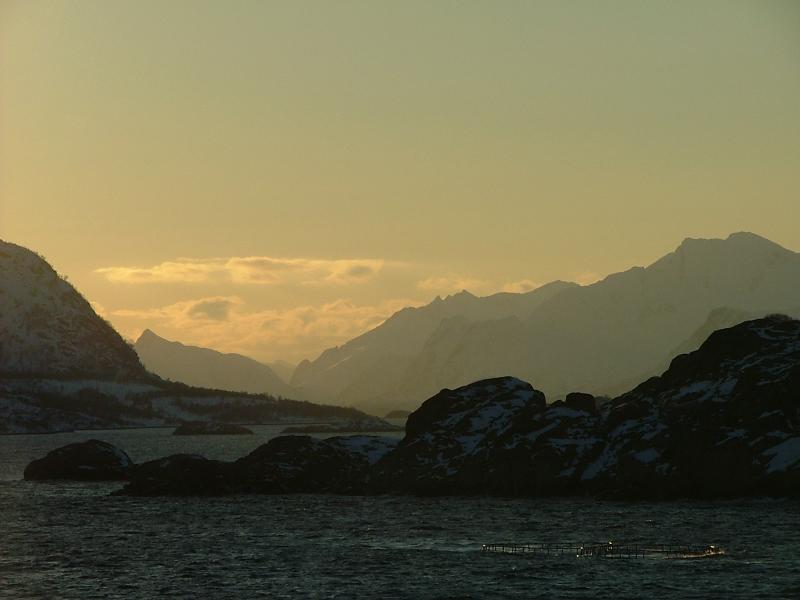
(587, 277)
(521, 286)
(181, 270)
(252, 270)
(228, 325)
(216, 310)
(187, 312)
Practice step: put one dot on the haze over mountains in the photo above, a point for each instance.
(361, 369)
(599, 338)
(208, 368)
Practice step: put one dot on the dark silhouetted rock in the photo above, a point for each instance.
(286, 464)
(299, 463)
(492, 436)
(721, 421)
(210, 428)
(92, 460)
(182, 475)
(581, 401)
(370, 447)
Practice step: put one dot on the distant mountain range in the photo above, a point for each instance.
(371, 368)
(601, 338)
(207, 368)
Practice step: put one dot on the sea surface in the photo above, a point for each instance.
(74, 540)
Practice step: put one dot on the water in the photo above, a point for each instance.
(73, 540)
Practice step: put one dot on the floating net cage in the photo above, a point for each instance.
(607, 550)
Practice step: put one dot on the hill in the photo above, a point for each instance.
(208, 368)
(48, 329)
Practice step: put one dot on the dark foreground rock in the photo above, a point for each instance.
(181, 475)
(210, 428)
(92, 460)
(284, 465)
(495, 436)
(721, 421)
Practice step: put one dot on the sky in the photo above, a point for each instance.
(274, 178)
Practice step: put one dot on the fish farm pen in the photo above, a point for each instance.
(607, 550)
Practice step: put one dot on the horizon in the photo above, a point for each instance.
(309, 172)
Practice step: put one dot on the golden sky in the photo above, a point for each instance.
(276, 177)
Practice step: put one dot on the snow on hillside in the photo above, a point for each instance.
(48, 328)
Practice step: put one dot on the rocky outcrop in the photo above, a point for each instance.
(722, 421)
(284, 465)
(581, 401)
(492, 436)
(210, 428)
(299, 463)
(92, 460)
(181, 475)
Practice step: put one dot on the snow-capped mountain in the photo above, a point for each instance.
(48, 329)
(602, 338)
(374, 364)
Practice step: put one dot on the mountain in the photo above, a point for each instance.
(373, 364)
(62, 367)
(48, 328)
(208, 368)
(282, 369)
(601, 338)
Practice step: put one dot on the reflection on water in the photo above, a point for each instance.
(74, 540)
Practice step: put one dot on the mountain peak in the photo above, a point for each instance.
(463, 294)
(744, 240)
(148, 335)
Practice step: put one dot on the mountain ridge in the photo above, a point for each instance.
(48, 328)
(598, 337)
(208, 368)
